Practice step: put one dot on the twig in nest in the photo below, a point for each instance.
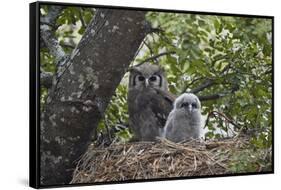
(195, 163)
(176, 145)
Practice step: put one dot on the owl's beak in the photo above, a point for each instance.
(146, 83)
(189, 107)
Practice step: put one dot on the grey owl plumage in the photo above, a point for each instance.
(184, 121)
(149, 102)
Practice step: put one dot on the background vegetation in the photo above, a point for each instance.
(226, 59)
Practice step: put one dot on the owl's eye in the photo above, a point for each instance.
(153, 78)
(141, 78)
(194, 105)
(184, 105)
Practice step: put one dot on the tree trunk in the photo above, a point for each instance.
(78, 99)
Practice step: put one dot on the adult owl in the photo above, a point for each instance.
(184, 121)
(149, 102)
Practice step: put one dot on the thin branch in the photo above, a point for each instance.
(47, 33)
(120, 126)
(81, 18)
(138, 51)
(152, 58)
(268, 72)
(163, 37)
(149, 48)
(68, 45)
(156, 30)
(219, 95)
(107, 130)
(226, 69)
(206, 84)
(211, 97)
(192, 82)
(227, 119)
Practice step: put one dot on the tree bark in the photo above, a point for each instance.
(47, 24)
(78, 99)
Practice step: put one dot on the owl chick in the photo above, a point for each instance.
(184, 121)
(149, 102)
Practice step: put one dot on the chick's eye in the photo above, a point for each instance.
(194, 105)
(184, 105)
(141, 78)
(153, 78)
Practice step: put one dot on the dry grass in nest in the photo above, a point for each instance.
(163, 159)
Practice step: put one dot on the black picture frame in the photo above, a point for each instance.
(34, 93)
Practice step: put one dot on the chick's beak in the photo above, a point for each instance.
(189, 107)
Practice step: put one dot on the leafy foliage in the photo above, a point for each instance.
(233, 54)
(250, 160)
(116, 116)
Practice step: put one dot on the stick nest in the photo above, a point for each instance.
(163, 159)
